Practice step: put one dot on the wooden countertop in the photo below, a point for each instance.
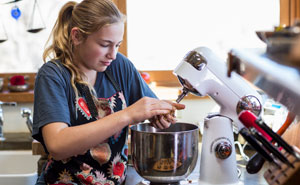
(37, 148)
(19, 97)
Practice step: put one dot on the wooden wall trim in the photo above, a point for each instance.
(121, 4)
(284, 12)
(289, 12)
(164, 78)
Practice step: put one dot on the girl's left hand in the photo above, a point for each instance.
(165, 120)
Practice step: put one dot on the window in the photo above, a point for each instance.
(161, 32)
(22, 52)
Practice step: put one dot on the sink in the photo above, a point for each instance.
(18, 167)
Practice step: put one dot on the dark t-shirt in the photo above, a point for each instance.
(55, 101)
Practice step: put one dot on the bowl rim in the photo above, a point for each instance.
(160, 133)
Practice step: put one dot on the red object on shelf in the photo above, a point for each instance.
(17, 80)
(146, 77)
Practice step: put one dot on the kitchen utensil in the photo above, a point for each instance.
(268, 145)
(185, 91)
(249, 121)
(253, 142)
(164, 155)
(17, 83)
(276, 137)
(256, 162)
(286, 148)
(18, 88)
(289, 120)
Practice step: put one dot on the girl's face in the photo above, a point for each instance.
(99, 49)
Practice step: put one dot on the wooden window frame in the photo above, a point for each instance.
(289, 12)
(121, 4)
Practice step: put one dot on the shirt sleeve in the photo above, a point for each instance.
(133, 83)
(50, 100)
(138, 87)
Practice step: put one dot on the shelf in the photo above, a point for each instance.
(279, 81)
(19, 97)
(37, 148)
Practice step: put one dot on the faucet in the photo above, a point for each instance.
(26, 113)
(2, 138)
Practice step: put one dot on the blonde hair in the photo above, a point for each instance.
(89, 16)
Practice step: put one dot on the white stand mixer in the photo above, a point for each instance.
(203, 73)
(218, 162)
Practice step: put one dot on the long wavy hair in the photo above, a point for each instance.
(89, 16)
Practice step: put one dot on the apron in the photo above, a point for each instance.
(104, 164)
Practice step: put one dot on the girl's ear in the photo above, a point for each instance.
(76, 36)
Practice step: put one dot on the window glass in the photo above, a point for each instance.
(161, 32)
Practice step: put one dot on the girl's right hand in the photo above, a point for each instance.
(146, 108)
(165, 120)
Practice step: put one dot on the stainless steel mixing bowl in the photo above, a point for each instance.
(164, 155)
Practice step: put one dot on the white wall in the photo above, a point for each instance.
(13, 121)
(22, 52)
(196, 110)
